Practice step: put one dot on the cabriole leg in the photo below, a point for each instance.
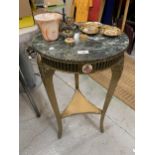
(47, 77)
(116, 74)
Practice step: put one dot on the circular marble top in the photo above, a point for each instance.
(96, 48)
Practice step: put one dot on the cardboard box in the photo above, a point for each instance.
(48, 2)
(53, 2)
(24, 8)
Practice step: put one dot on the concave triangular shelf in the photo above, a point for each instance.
(79, 104)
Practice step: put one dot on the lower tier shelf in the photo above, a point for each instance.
(79, 104)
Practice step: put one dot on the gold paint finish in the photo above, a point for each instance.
(47, 77)
(79, 104)
(76, 81)
(116, 74)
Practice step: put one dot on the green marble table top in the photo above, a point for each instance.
(96, 48)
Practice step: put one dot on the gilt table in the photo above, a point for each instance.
(83, 57)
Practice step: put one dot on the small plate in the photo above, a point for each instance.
(111, 31)
(89, 30)
(95, 24)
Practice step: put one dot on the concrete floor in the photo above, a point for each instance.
(81, 135)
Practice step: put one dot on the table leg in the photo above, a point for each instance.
(47, 77)
(76, 81)
(116, 74)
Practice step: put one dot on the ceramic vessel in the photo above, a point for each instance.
(49, 25)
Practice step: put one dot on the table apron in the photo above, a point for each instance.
(73, 67)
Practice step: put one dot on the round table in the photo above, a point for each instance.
(83, 57)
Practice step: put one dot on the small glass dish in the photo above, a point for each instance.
(69, 41)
